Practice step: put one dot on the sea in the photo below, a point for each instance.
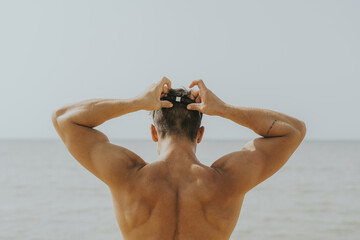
(45, 194)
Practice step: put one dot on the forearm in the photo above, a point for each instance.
(94, 112)
(266, 123)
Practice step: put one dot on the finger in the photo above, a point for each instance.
(165, 89)
(194, 94)
(166, 104)
(194, 106)
(199, 83)
(198, 99)
(166, 81)
(162, 95)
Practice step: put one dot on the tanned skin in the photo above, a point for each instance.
(177, 197)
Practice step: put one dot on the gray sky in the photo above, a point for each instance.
(297, 57)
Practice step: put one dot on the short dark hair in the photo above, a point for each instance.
(177, 120)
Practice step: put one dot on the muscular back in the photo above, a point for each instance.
(167, 202)
(177, 197)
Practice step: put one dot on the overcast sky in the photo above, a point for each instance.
(301, 58)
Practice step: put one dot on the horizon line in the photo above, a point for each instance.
(149, 139)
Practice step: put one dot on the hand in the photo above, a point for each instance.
(150, 98)
(206, 101)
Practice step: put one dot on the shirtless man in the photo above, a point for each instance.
(177, 197)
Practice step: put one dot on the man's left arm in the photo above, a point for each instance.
(75, 125)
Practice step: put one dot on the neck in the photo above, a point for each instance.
(175, 149)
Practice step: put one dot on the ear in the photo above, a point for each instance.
(200, 134)
(154, 134)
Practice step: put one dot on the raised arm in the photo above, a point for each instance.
(75, 125)
(261, 157)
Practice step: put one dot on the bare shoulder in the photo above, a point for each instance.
(258, 160)
(238, 167)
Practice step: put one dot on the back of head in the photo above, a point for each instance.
(177, 120)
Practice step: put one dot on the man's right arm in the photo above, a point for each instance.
(261, 157)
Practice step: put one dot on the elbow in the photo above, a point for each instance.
(297, 132)
(56, 114)
(302, 129)
(54, 118)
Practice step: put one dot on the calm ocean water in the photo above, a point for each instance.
(46, 194)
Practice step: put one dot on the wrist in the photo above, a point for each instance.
(223, 110)
(137, 103)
